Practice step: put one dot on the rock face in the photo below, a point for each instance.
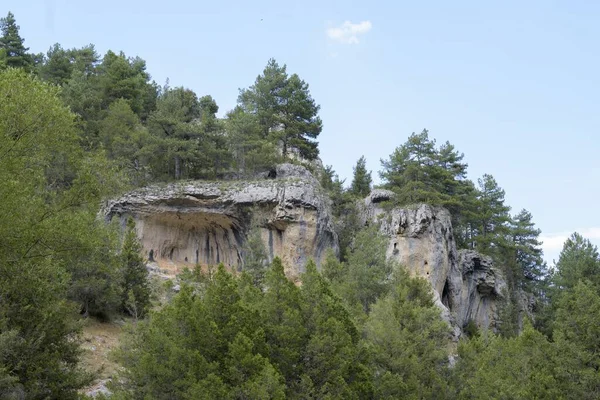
(466, 284)
(482, 286)
(207, 222)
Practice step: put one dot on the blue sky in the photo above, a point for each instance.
(514, 85)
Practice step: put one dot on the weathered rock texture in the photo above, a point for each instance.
(482, 288)
(467, 286)
(207, 222)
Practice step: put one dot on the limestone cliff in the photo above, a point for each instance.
(467, 286)
(207, 223)
(197, 222)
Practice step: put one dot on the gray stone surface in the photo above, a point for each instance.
(467, 286)
(200, 222)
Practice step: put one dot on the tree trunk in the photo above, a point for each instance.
(177, 167)
(284, 150)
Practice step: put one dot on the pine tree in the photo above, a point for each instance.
(250, 152)
(15, 53)
(521, 367)
(250, 375)
(285, 333)
(136, 289)
(409, 341)
(122, 77)
(577, 335)
(213, 142)
(285, 110)
(527, 250)
(56, 67)
(411, 171)
(367, 272)
(361, 182)
(334, 365)
(492, 216)
(176, 133)
(579, 260)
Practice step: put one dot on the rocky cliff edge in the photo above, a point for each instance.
(466, 285)
(207, 223)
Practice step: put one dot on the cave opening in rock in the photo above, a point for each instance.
(151, 255)
(272, 174)
(171, 253)
(446, 295)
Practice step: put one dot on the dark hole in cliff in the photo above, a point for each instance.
(171, 254)
(395, 246)
(425, 263)
(476, 263)
(272, 174)
(380, 199)
(446, 295)
(151, 255)
(186, 260)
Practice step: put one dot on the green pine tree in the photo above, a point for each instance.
(367, 272)
(361, 182)
(334, 364)
(14, 51)
(528, 254)
(409, 342)
(136, 289)
(285, 110)
(492, 216)
(522, 367)
(285, 333)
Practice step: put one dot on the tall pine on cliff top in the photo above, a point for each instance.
(174, 131)
(492, 216)
(285, 110)
(421, 173)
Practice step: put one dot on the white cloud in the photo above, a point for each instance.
(553, 243)
(348, 32)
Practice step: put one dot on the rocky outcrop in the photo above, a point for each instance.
(482, 288)
(207, 223)
(466, 284)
